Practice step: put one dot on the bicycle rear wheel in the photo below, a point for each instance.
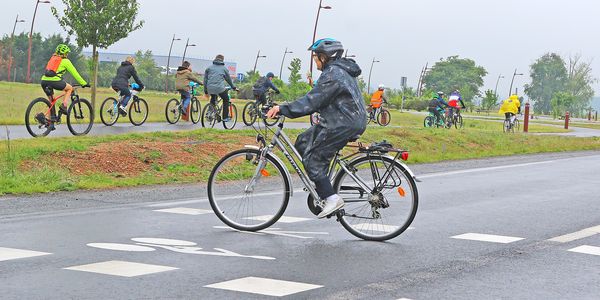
(195, 111)
(232, 117)
(249, 114)
(384, 211)
(36, 121)
(239, 201)
(138, 112)
(172, 112)
(80, 117)
(506, 126)
(209, 116)
(428, 122)
(517, 126)
(109, 111)
(384, 117)
(458, 122)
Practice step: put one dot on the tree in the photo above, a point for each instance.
(579, 85)
(456, 73)
(295, 66)
(98, 23)
(548, 76)
(489, 100)
(560, 102)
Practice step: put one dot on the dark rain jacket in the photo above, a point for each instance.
(125, 71)
(215, 77)
(338, 99)
(262, 85)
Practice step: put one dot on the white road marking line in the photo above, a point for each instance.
(577, 235)
(586, 250)
(264, 286)
(483, 169)
(200, 200)
(487, 238)
(185, 211)
(377, 227)
(121, 268)
(12, 253)
(283, 219)
(168, 242)
(120, 247)
(277, 231)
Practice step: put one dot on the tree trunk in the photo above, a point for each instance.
(94, 75)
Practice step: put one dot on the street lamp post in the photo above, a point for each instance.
(371, 70)
(283, 60)
(187, 44)
(12, 41)
(496, 88)
(346, 54)
(315, 32)
(168, 63)
(28, 77)
(256, 61)
(513, 79)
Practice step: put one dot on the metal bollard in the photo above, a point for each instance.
(526, 118)
(567, 120)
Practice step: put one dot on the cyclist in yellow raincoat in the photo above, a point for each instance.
(510, 107)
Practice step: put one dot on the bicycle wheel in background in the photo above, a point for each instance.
(80, 117)
(384, 211)
(109, 111)
(315, 118)
(232, 117)
(384, 117)
(35, 117)
(249, 113)
(517, 126)
(506, 126)
(246, 206)
(458, 122)
(172, 112)
(138, 112)
(428, 121)
(268, 121)
(209, 116)
(195, 110)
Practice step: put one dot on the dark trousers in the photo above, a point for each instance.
(125, 94)
(260, 99)
(225, 96)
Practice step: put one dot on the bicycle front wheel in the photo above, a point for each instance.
(244, 197)
(389, 206)
(172, 112)
(517, 126)
(80, 117)
(195, 111)
(109, 111)
(384, 117)
(36, 120)
(232, 117)
(249, 113)
(138, 112)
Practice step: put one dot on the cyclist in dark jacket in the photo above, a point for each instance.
(436, 104)
(215, 78)
(121, 82)
(338, 99)
(261, 87)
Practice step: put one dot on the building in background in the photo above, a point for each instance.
(198, 64)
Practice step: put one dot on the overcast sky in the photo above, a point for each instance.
(500, 35)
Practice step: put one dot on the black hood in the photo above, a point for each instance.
(181, 68)
(125, 63)
(218, 62)
(349, 65)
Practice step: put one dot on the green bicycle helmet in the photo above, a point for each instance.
(62, 49)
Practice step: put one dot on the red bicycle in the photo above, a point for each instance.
(41, 117)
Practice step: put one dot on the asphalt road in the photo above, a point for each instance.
(485, 229)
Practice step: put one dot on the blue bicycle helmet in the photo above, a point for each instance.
(135, 86)
(270, 75)
(327, 46)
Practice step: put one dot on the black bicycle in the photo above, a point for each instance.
(138, 110)
(251, 111)
(211, 114)
(174, 109)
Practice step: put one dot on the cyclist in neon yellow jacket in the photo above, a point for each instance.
(510, 107)
(57, 66)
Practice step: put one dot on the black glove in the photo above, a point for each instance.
(277, 92)
(141, 87)
(87, 85)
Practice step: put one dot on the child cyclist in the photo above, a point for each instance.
(121, 82)
(337, 97)
(183, 78)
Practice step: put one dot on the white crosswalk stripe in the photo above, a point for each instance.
(487, 238)
(586, 250)
(185, 211)
(12, 253)
(121, 268)
(264, 286)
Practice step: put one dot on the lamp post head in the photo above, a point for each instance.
(20, 21)
(43, 1)
(519, 74)
(192, 45)
(176, 39)
(326, 7)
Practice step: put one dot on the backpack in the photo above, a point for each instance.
(260, 83)
(53, 65)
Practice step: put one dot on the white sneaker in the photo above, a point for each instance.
(332, 203)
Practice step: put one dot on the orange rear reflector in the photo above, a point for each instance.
(401, 192)
(264, 172)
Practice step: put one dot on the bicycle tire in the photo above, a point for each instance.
(315, 119)
(384, 117)
(249, 113)
(428, 122)
(232, 115)
(458, 122)
(517, 126)
(172, 112)
(506, 126)
(109, 119)
(138, 107)
(394, 231)
(247, 155)
(209, 117)
(195, 110)
(79, 110)
(31, 122)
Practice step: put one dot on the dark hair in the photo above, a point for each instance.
(186, 64)
(220, 57)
